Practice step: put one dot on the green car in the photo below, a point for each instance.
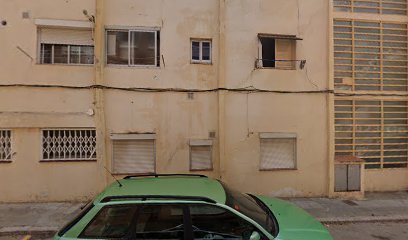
(185, 206)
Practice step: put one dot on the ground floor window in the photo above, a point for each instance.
(278, 151)
(201, 155)
(68, 144)
(133, 153)
(5, 145)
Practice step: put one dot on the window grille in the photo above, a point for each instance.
(370, 56)
(69, 144)
(278, 151)
(133, 156)
(374, 130)
(5, 145)
(397, 7)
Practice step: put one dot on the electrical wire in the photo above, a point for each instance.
(179, 90)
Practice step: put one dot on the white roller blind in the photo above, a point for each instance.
(66, 36)
(201, 157)
(278, 153)
(134, 156)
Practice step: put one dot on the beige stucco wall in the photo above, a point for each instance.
(237, 118)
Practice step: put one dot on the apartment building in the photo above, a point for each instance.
(257, 93)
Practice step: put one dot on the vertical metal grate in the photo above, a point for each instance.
(370, 56)
(5, 145)
(396, 7)
(374, 130)
(68, 144)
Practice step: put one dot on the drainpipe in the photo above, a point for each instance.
(222, 164)
(98, 95)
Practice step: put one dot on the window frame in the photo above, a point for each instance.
(41, 59)
(129, 30)
(200, 60)
(292, 136)
(275, 37)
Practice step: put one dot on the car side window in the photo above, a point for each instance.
(160, 222)
(111, 222)
(211, 222)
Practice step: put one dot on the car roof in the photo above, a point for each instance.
(189, 186)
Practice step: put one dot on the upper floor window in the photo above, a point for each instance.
(277, 51)
(397, 7)
(201, 51)
(65, 46)
(133, 47)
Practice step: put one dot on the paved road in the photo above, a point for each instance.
(370, 231)
(349, 231)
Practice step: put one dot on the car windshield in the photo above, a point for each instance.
(250, 207)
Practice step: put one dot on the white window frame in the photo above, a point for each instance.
(292, 136)
(8, 158)
(200, 41)
(201, 143)
(126, 136)
(69, 159)
(129, 31)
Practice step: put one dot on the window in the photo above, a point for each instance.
(66, 46)
(211, 222)
(370, 56)
(110, 222)
(201, 155)
(374, 130)
(133, 153)
(397, 7)
(150, 221)
(278, 151)
(68, 144)
(277, 51)
(201, 51)
(5, 145)
(133, 47)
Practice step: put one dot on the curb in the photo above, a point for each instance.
(25, 230)
(362, 219)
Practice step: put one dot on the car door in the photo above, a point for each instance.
(214, 222)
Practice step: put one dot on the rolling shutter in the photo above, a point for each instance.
(134, 156)
(278, 153)
(201, 157)
(66, 36)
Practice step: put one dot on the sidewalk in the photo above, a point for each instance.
(377, 207)
(46, 218)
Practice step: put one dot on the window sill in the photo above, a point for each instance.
(283, 69)
(67, 160)
(202, 170)
(5, 161)
(278, 169)
(131, 66)
(64, 64)
(202, 63)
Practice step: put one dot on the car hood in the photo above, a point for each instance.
(294, 222)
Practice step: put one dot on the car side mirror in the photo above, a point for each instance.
(255, 236)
